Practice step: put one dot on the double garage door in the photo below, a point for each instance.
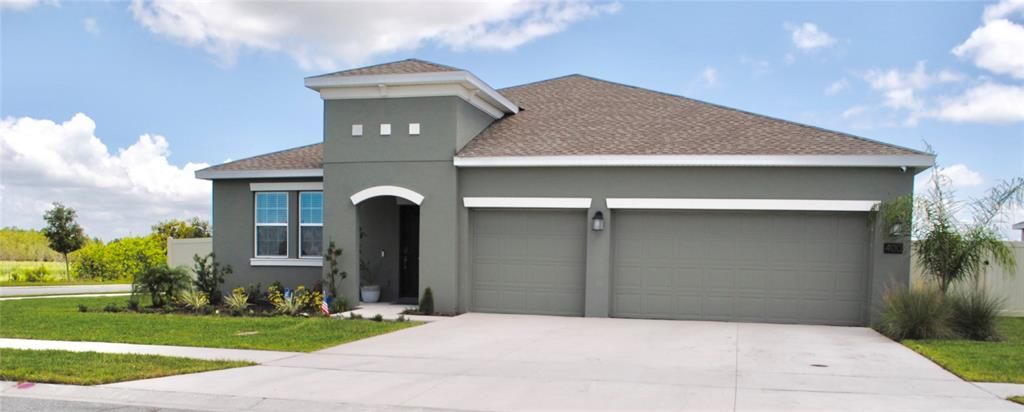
(789, 267)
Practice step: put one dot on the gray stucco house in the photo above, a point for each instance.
(570, 196)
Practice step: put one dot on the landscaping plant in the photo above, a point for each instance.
(63, 232)
(238, 302)
(974, 313)
(951, 251)
(209, 276)
(333, 273)
(161, 283)
(194, 300)
(914, 313)
(427, 302)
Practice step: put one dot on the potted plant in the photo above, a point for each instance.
(369, 290)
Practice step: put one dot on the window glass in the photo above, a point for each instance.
(272, 224)
(311, 220)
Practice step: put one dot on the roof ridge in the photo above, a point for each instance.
(721, 106)
(411, 59)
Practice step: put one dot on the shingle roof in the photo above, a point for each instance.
(580, 115)
(304, 157)
(399, 67)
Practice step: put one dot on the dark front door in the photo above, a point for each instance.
(409, 249)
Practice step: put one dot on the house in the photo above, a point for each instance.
(569, 196)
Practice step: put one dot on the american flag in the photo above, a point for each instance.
(325, 307)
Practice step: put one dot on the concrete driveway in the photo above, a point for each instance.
(517, 362)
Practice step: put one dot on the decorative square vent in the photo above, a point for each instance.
(385, 129)
(357, 130)
(414, 129)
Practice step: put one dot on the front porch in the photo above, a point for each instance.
(388, 311)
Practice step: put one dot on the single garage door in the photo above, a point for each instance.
(528, 261)
(786, 267)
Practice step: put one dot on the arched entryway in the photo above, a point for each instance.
(389, 235)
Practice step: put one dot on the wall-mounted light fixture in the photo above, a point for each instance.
(896, 230)
(597, 223)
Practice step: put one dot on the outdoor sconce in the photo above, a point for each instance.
(896, 230)
(598, 222)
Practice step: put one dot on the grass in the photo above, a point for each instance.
(59, 319)
(91, 368)
(55, 274)
(1001, 361)
(1018, 399)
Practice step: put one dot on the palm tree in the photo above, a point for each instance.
(951, 251)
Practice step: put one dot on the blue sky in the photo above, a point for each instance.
(203, 85)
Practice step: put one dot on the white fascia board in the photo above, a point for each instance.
(416, 90)
(743, 204)
(528, 202)
(395, 191)
(917, 161)
(255, 174)
(466, 79)
(286, 186)
(306, 262)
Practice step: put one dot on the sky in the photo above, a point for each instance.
(110, 107)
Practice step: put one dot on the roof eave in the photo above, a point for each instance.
(209, 174)
(914, 161)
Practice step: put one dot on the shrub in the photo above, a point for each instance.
(238, 301)
(913, 313)
(301, 300)
(120, 259)
(133, 303)
(112, 308)
(339, 305)
(162, 284)
(34, 275)
(193, 299)
(82, 308)
(427, 302)
(973, 314)
(378, 318)
(209, 276)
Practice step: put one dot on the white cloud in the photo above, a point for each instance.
(985, 103)
(837, 87)
(116, 194)
(853, 112)
(709, 76)
(322, 35)
(997, 46)
(18, 4)
(808, 36)
(1003, 10)
(90, 25)
(958, 176)
(901, 89)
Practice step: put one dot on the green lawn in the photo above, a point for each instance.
(91, 368)
(59, 319)
(980, 361)
(1018, 399)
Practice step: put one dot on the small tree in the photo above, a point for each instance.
(161, 283)
(209, 276)
(427, 302)
(332, 256)
(180, 229)
(950, 251)
(63, 232)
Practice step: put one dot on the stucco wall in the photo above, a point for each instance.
(233, 242)
(180, 252)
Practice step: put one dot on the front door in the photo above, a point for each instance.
(409, 252)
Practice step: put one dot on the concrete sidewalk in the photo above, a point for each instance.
(1002, 390)
(258, 356)
(63, 289)
(149, 400)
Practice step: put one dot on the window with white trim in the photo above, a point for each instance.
(311, 224)
(272, 224)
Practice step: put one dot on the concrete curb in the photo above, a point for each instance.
(257, 356)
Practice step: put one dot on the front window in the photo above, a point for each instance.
(311, 224)
(272, 224)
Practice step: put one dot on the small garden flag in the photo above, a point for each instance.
(325, 306)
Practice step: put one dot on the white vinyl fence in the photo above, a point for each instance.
(180, 251)
(996, 280)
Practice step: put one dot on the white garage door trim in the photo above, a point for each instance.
(743, 204)
(528, 202)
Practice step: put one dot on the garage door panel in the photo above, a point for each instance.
(791, 267)
(528, 261)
